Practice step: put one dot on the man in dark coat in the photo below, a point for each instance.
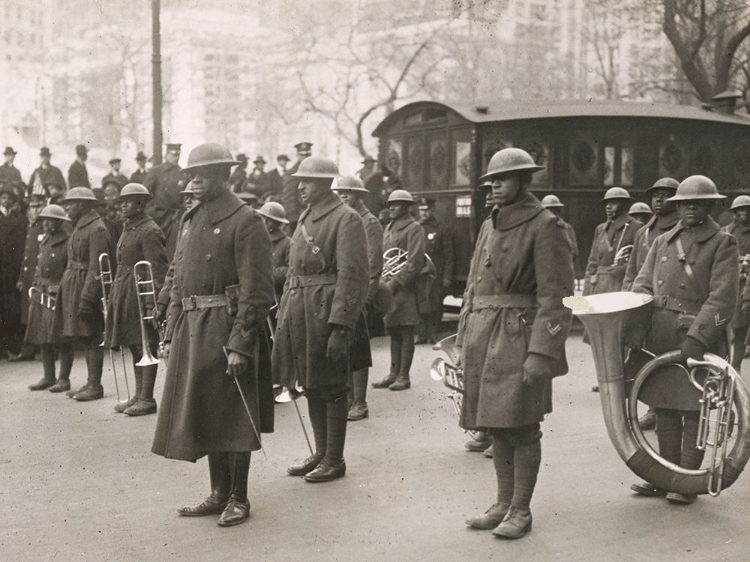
(324, 293)
(46, 173)
(404, 234)
(53, 257)
(12, 236)
(139, 176)
(239, 174)
(693, 273)
(34, 235)
(352, 190)
(9, 174)
(665, 218)
(553, 204)
(257, 181)
(221, 294)
(165, 182)
(78, 312)
(276, 176)
(439, 246)
(274, 218)
(141, 240)
(290, 197)
(78, 175)
(114, 175)
(740, 229)
(512, 334)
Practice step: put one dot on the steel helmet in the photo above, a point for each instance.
(639, 208)
(696, 187)
(485, 183)
(741, 201)
(616, 193)
(134, 190)
(400, 196)
(551, 201)
(188, 189)
(664, 183)
(209, 154)
(247, 197)
(317, 167)
(80, 194)
(274, 211)
(510, 160)
(54, 212)
(350, 183)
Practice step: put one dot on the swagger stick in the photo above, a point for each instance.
(302, 423)
(249, 415)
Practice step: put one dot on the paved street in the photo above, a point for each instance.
(77, 482)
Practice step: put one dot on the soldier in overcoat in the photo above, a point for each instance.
(553, 204)
(275, 220)
(324, 294)
(605, 273)
(403, 233)
(78, 313)
(693, 273)
(141, 240)
(13, 226)
(289, 193)
(221, 294)
(439, 246)
(352, 191)
(48, 272)
(512, 335)
(165, 182)
(664, 219)
(740, 229)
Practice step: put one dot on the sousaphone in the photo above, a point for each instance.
(725, 400)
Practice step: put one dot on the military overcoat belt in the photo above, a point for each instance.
(200, 302)
(312, 280)
(504, 301)
(676, 305)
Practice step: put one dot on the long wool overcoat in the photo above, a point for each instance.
(53, 257)
(644, 239)
(141, 239)
(406, 234)
(34, 237)
(602, 276)
(742, 234)
(81, 281)
(439, 246)
(332, 243)
(280, 244)
(708, 302)
(222, 244)
(521, 250)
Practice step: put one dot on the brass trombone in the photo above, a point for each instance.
(145, 289)
(40, 297)
(105, 277)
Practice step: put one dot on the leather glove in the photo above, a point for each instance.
(338, 341)
(536, 369)
(86, 311)
(691, 348)
(160, 314)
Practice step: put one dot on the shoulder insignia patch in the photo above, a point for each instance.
(719, 321)
(553, 330)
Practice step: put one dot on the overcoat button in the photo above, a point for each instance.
(208, 257)
(661, 282)
(664, 258)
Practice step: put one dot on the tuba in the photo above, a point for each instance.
(605, 318)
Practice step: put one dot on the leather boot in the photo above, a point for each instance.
(94, 363)
(43, 384)
(122, 406)
(317, 410)
(385, 382)
(238, 506)
(66, 351)
(516, 524)
(72, 392)
(48, 365)
(145, 404)
(218, 470)
(491, 518)
(60, 385)
(332, 466)
(359, 409)
(402, 382)
(306, 466)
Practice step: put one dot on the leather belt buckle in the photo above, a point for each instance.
(193, 303)
(294, 282)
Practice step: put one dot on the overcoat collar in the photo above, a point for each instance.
(131, 225)
(701, 233)
(510, 216)
(734, 226)
(620, 221)
(278, 235)
(663, 223)
(220, 207)
(87, 219)
(57, 238)
(401, 223)
(322, 208)
(361, 208)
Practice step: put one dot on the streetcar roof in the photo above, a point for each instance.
(514, 110)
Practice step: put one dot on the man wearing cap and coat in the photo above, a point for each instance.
(46, 173)
(257, 181)
(115, 176)
(9, 174)
(289, 195)
(275, 220)
(276, 176)
(78, 175)
(139, 176)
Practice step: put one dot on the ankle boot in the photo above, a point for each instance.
(358, 410)
(145, 404)
(120, 407)
(95, 364)
(491, 518)
(218, 470)
(516, 524)
(238, 506)
(385, 382)
(316, 408)
(402, 382)
(60, 385)
(48, 365)
(332, 466)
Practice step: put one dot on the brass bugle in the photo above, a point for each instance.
(105, 278)
(146, 294)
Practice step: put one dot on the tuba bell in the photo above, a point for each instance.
(605, 318)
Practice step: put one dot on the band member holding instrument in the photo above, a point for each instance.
(512, 332)
(352, 190)
(274, 217)
(53, 257)
(78, 313)
(740, 229)
(693, 273)
(141, 239)
(218, 395)
(405, 234)
(324, 294)
(664, 219)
